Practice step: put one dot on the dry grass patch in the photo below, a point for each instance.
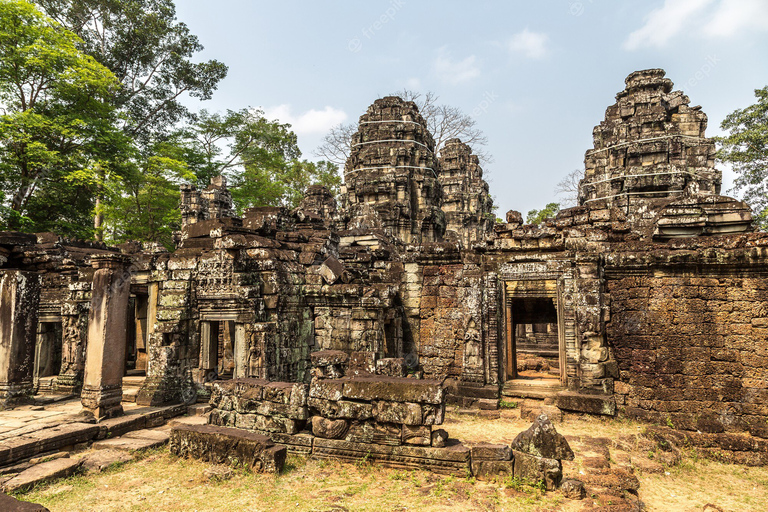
(162, 482)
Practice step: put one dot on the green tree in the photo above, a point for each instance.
(150, 53)
(57, 127)
(746, 149)
(260, 158)
(539, 216)
(147, 207)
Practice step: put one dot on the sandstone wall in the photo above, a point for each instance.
(690, 338)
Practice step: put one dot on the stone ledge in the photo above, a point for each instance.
(591, 404)
(232, 446)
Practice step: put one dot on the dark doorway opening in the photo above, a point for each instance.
(217, 350)
(48, 350)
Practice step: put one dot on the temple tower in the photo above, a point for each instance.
(393, 170)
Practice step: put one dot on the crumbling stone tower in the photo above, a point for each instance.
(214, 202)
(392, 173)
(650, 145)
(467, 204)
(652, 160)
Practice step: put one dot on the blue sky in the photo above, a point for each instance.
(538, 76)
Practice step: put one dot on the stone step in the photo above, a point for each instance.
(43, 472)
(133, 441)
(13, 505)
(538, 389)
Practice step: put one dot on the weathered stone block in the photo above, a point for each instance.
(372, 432)
(394, 389)
(542, 440)
(342, 409)
(537, 469)
(490, 469)
(397, 412)
(326, 389)
(220, 445)
(487, 451)
(391, 367)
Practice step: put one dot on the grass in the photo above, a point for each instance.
(159, 481)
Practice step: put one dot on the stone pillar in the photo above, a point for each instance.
(241, 352)
(107, 336)
(19, 299)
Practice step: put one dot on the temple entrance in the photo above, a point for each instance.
(220, 342)
(136, 349)
(47, 355)
(535, 348)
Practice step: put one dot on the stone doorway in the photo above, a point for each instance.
(535, 362)
(138, 332)
(48, 349)
(222, 354)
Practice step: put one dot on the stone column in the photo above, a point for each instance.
(107, 336)
(19, 299)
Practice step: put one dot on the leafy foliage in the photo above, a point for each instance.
(57, 128)
(260, 158)
(539, 216)
(746, 149)
(149, 52)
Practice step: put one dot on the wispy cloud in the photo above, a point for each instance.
(733, 16)
(712, 18)
(534, 45)
(455, 71)
(664, 23)
(311, 122)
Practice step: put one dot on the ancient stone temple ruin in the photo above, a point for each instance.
(352, 322)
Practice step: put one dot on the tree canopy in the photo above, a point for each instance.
(94, 137)
(539, 216)
(57, 127)
(746, 149)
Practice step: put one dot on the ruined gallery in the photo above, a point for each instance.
(344, 328)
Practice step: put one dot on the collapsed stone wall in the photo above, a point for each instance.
(388, 420)
(689, 330)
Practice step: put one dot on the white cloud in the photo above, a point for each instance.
(710, 18)
(311, 122)
(453, 71)
(664, 23)
(531, 44)
(733, 16)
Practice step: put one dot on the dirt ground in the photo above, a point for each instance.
(611, 457)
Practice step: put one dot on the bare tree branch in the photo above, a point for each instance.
(568, 188)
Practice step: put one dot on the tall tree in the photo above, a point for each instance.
(746, 149)
(147, 206)
(57, 129)
(444, 122)
(150, 53)
(261, 158)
